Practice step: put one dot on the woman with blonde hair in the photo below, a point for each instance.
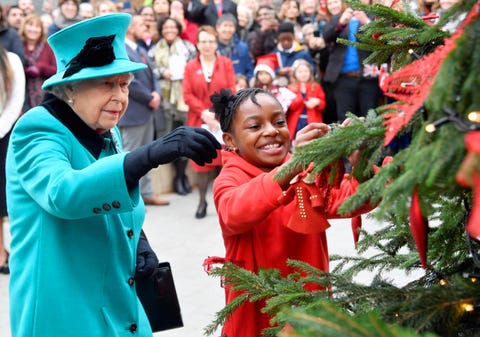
(12, 95)
(105, 7)
(40, 62)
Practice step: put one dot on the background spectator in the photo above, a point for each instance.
(40, 61)
(289, 49)
(263, 38)
(355, 90)
(161, 8)
(67, 14)
(15, 17)
(207, 12)
(245, 22)
(290, 12)
(9, 37)
(311, 95)
(150, 19)
(86, 10)
(170, 56)
(27, 6)
(206, 74)
(103, 7)
(189, 29)
(230, 46)
(308, 11)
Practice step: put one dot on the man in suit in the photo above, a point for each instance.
(137, 125)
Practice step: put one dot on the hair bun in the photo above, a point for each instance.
(221, 101)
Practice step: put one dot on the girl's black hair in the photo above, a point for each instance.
(225, 104)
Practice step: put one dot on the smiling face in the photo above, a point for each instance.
(335, 7)
(161, 7)
(169, 30)
(226, 30)
(69, 9)
(33, 30)
(302, 73)
(100, 102)
(259, 132)
(207, 43)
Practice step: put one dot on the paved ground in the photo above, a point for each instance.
(184, 241)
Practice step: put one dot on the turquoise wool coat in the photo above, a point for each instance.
(74, 227)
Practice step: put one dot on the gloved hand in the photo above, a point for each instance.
(147, 260)
(197, 144)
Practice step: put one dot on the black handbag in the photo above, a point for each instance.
(159, 299)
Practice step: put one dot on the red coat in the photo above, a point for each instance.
(197, 92)
(255, 235)
(295, 110)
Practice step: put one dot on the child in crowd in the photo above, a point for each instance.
(252, 215)
(264, 78)
(302, 83)
(289, 49)
(241, 82)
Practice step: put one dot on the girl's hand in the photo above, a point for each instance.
(312, 102)
(208, 118)
(354, 156)
(311, 132)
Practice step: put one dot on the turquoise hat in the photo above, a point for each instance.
(90, 49)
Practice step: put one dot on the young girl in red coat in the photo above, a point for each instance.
(302, 83)
(251, 207)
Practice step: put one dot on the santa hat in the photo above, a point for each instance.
(268, 63)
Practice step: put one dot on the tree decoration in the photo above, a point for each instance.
(419, 227)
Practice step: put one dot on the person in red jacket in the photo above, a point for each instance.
(302, 83)
(207, 73)
(252, 211)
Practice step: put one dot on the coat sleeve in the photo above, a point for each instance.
(319, 93)
(195, 105)
(332, 31)
(48, 66)
(338, 196)
(60, 175)
(243, 202)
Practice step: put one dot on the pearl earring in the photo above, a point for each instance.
(70, 101)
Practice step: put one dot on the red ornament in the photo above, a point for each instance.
(419, 228)
(309, 216)
(356, 227)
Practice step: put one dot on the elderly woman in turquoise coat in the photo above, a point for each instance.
(73, 196)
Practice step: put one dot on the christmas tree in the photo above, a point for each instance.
(427, 196)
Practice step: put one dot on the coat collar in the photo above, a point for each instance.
(90, 139)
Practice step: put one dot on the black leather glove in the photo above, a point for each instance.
(195, 143)
(147, 260)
